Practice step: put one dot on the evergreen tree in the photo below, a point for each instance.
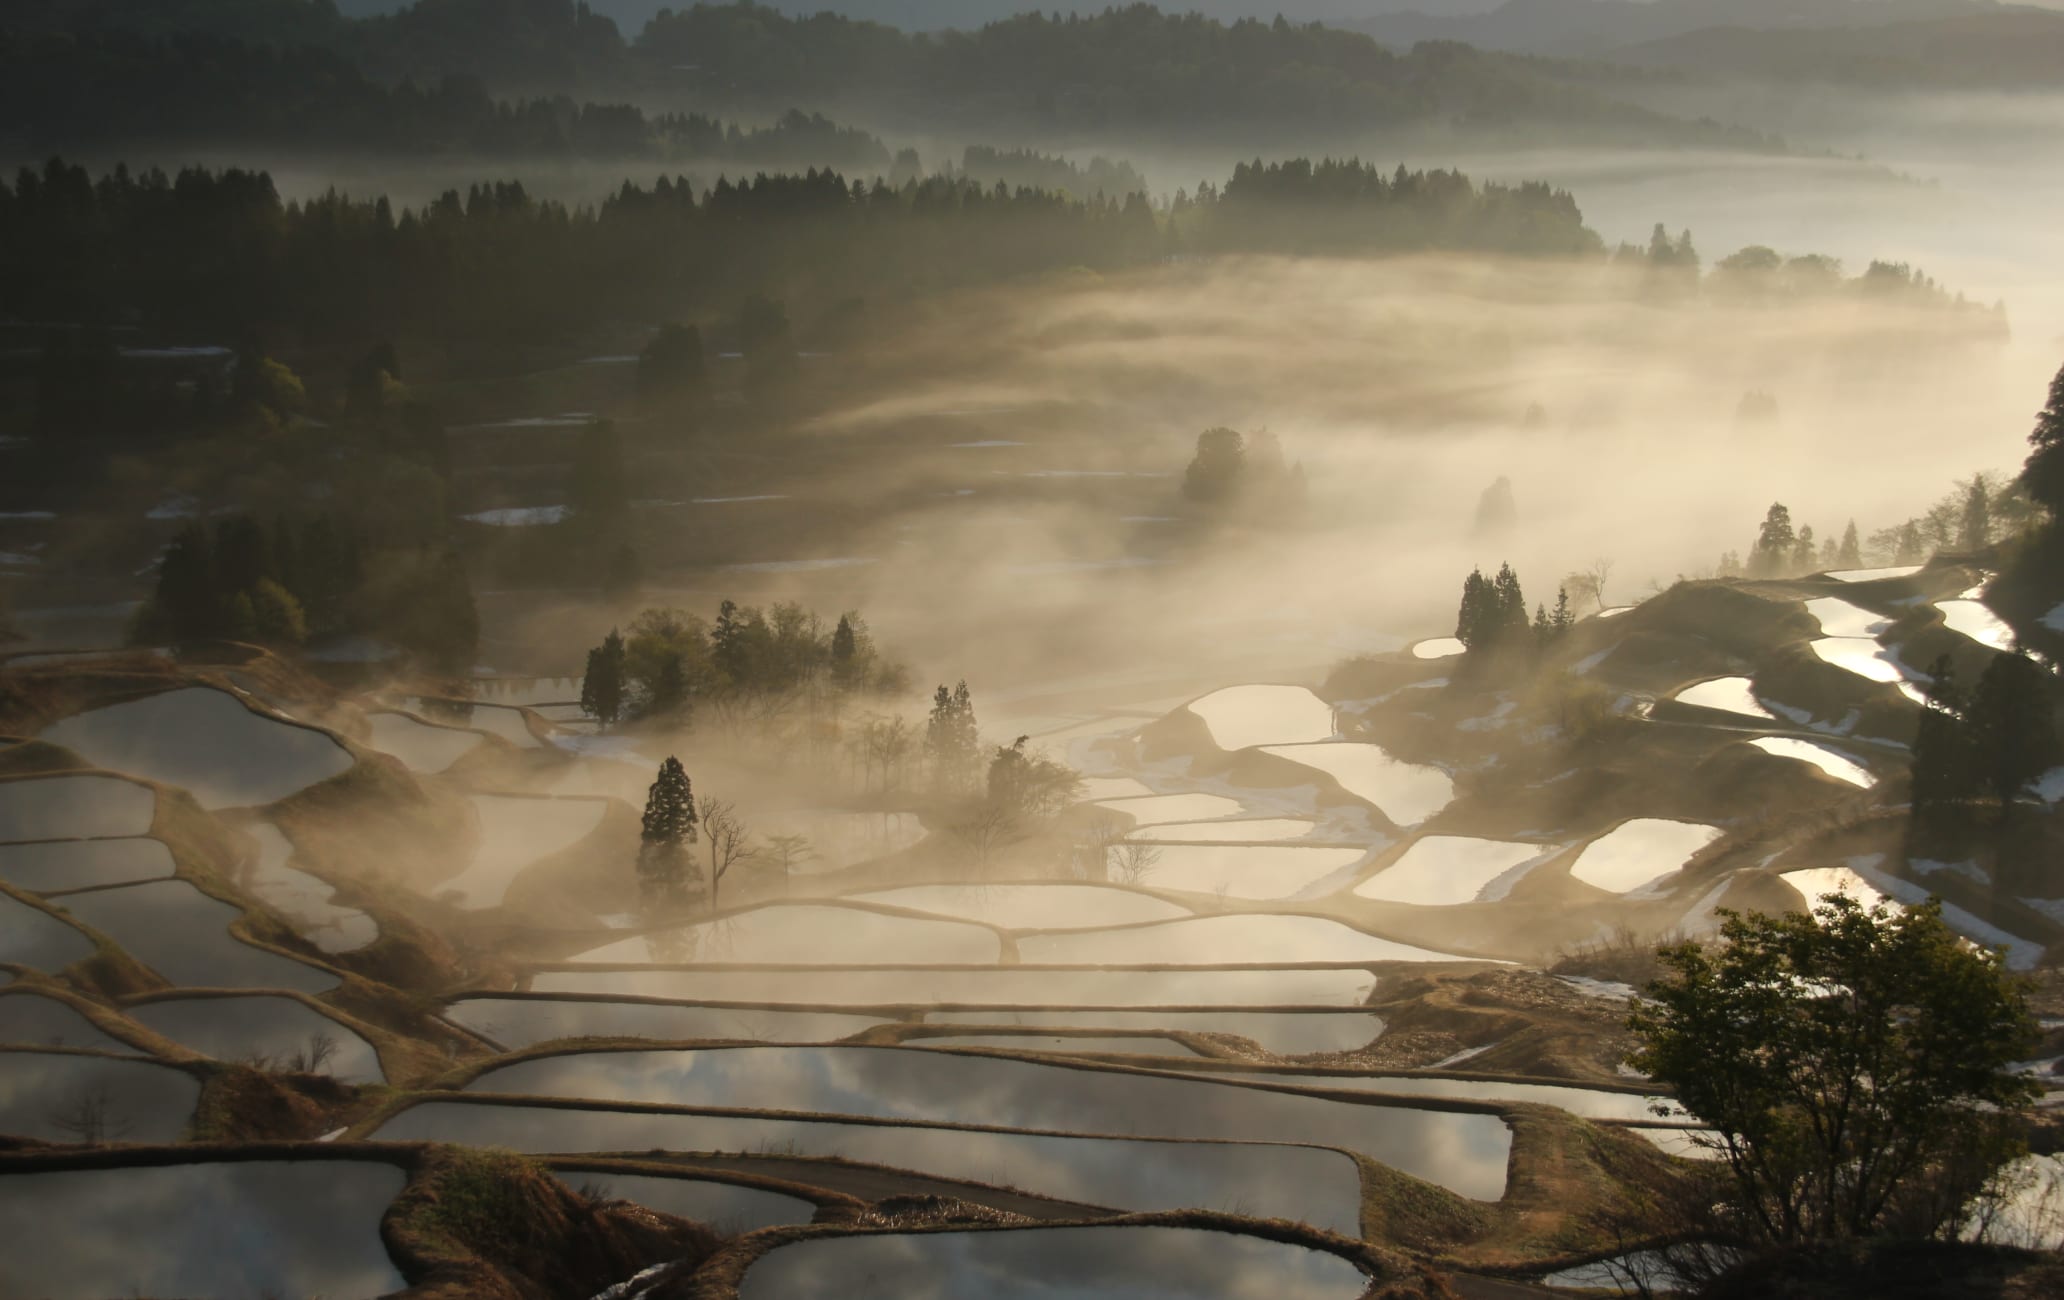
(602, 686)
(845, 649)
(1544, 631)
(276, 617)
(952, 740)
(1974, 530)
(668, 695)
(669, 828)
(2043, 475)
(1509, 611)
(2013, 735)
(1804, 552)
(1942, 766)
(1772, 553)
(1564, 618)
(1850, 554)
(1216, 472)
(1912, 547)
(1472, 625)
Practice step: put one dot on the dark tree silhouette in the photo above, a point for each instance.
(669, 828)
(602, 686)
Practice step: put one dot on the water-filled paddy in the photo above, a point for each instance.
(1834, 763)
(183, 934)
(261, 1028)
(73, 807)
(1117, 1044)
(1032, 907)
(1322, 1188)
(54, 865)
(1112, 787)
(27, 1019)
(206, 741)
(514, 833)
(301, 899)
(1283, 1033)
(1816, 883)
(1442, 870)
(1976, 620)
(1727, 694)
(1241, 716)
(1591, 1103)
(726, 1207)
(1247, 871)
(1152, 809)
(420, 746)
(1840, 618)
(809, 934)
(839, 837)
(1875, 575)
(1003, 986)
(1440, 647)
(262, 1228)
(1043, 1263)
(31, 937)
(1222, 941)
(1253, 830)
(519, 1022)
(1868, 660)
(61, 1097)
(1639, 852)
(504, 720)
(1407, 793)
(1463, 1152)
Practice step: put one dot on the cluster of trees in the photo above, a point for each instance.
(749, 665)
(1030, 169)
(1978, 512)
(280, 584)
(1976, 752)
(953, 740)
(1244, 471)
(1493, 618)
(1345, 206)
(1760, 274)
(110, 91)
(670, 879)
(219, 254)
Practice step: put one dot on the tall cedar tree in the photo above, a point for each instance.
(2044, 473)
(2012, 734)
(669, 828)
(602, 686)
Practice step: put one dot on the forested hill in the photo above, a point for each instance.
(1134, 70)
(117, 93)
(218, 254)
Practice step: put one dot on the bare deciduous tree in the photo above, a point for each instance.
(1134, 862)
(784, 853)
(88, 1115)
(726, 836)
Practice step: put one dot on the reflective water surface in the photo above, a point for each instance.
(1463, 1152)
(1038, 1263)
(269, 1028)
(183, 934)
(520, 1022)
(1005, 986)
(1218, 940)
(809, 934)
(34, 1021)
(32, 937)
(1240, 716)
(69, 807)
(206, 741)
(228, 1230)
(1322, 1188)
(61, 1097)
(1030, 907)
(1284, 1033)
(83, 864)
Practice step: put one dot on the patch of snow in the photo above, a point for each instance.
(1968, 870)
(2021, 954)
(1460, 1057)
(520, 516)
(1816, 883)
(1583, 666)
(798, 566)
(1610, 990)
(2054, 620)
(334, 1134)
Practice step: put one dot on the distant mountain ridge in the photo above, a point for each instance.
(1602, 28)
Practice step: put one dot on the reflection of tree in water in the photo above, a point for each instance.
(88, 1115)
